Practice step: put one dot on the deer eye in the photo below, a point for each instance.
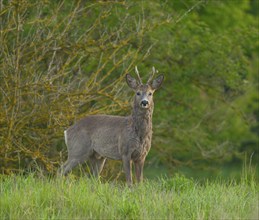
(150, 93)
(138, 93)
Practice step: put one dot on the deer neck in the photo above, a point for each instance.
(142, 121)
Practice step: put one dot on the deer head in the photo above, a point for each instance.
(144, 92)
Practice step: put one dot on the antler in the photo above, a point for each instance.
(152, 75)
(136, 70)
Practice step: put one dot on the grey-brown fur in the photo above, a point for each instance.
(98, 137)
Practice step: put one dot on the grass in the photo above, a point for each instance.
(166, 198)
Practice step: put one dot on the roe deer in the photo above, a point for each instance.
(98, 137)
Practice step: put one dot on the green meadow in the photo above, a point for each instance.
(178, 197)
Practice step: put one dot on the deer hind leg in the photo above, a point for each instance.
(69, 165)
(96, 165)
(73, 161)
(79, 151)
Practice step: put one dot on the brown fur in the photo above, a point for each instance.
(98, 137)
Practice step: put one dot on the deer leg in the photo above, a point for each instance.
(68, 166)
(96, 166)
(71, 163)
(127, 169)
(139, 170)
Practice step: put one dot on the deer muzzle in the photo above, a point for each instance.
(144, 103)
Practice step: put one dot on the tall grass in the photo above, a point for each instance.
(166, 198)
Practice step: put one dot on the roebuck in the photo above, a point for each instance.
(97, 137)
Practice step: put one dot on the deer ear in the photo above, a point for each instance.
(157, 82)
(132, 83)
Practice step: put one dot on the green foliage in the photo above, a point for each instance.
(175, 198)
(63, 60)
(208, 58)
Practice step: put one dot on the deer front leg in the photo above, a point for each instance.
(127, 169)
(139, 170)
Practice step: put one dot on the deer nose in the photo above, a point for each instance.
(144, 103)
